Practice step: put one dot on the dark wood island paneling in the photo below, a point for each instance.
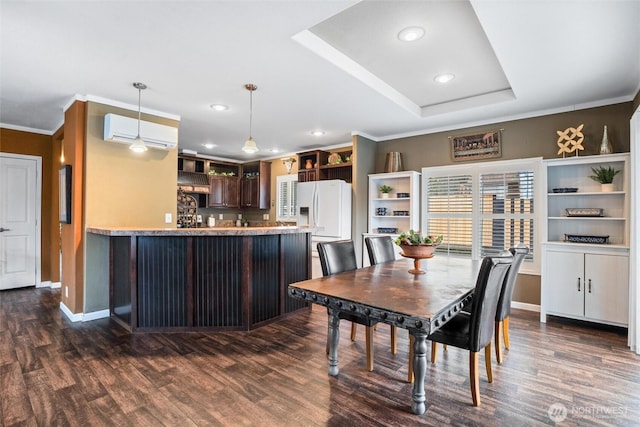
(205, 279)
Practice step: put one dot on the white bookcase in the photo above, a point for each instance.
(585, 280)
(391, 215)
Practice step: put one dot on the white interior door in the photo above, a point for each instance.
(19, 215)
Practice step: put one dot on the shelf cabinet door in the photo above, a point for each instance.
(565, 293)
(607, 293)
(307, 175)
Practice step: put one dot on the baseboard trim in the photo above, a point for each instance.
(70, 315)
(83, 317)
(49, 284)
(525, 306)
(95, 315)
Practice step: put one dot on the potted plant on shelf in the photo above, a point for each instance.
(604, 175)
(384, 191)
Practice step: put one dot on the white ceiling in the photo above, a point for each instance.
(337, 66)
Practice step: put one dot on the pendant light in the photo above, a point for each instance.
(138, 145)
(250, 145)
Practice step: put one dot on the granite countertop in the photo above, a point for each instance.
(204, 231)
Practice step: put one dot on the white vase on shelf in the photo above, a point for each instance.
(384, 195)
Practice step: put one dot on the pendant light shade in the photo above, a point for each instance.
(138, 145)
(250, 145)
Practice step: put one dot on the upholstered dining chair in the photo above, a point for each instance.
(336, 257)
(380, 249)
(504, 302)
(473, 331)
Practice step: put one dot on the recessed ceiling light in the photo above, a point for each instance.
(275, 150)
(317, 132)
(218, 107)
(411, 34)
(209, 145)
(444, 78)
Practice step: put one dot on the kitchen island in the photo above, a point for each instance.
(186, 279)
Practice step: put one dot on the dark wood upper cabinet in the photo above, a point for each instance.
(255, 185)
(223, 191)
(321, 165)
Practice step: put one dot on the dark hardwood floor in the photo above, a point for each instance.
(54, 372)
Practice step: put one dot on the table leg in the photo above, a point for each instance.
(333, 338)
(419, 371)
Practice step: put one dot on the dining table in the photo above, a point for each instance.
(388, 293)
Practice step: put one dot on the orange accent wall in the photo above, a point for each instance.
(72, 234)
(34, 144)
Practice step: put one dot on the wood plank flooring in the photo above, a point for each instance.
(57, 373)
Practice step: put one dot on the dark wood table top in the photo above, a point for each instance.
(388, 293)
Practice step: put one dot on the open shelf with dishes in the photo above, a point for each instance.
(578, 206)
(397, 210)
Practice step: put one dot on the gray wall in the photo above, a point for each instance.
(96, 292)
(364, 155)
(533, 137)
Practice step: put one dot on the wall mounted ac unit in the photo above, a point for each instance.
(125, 130)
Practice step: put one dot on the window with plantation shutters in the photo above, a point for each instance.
(450, 211)
(506, 211)
(482, 209)
(286, 200)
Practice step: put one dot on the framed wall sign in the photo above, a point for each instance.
(65, 194)
(479, 146)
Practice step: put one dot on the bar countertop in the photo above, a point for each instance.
(204, 231)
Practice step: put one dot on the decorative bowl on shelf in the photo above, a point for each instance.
(388, 230)
(579, 238)
(381, 211)
(584, 211)
(565, 190)
(334, 159)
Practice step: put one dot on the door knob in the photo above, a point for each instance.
(4, 229)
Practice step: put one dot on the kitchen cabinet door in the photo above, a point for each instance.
(607, 291)
(564, 287)
(223, 192)
(249, 192)
(232, 192)
(216, 191)
(306, 175)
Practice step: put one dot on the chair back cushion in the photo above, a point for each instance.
(504, 302)
(380, 249)
(485, 299)
(337, 256)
